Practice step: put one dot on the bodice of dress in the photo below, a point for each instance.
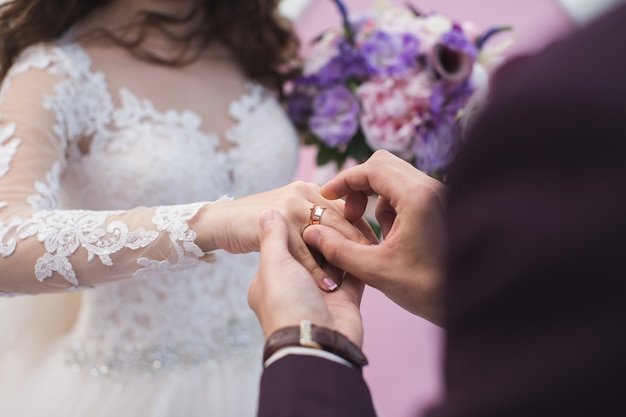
(72, 218)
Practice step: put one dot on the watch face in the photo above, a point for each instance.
(583, 10)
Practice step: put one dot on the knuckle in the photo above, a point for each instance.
(380, 155)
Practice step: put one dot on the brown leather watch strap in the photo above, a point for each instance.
(316, 337)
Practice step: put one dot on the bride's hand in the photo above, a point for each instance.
(234, 225)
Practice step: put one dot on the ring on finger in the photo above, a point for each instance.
(316, 214)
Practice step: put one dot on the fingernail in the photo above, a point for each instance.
(267, 217)
(330, 284)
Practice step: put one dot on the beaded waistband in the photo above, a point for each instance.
(163, 357)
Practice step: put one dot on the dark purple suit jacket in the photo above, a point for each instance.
(536, 292)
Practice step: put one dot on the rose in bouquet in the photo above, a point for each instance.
(392, 79)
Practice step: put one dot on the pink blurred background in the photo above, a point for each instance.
(405, 352)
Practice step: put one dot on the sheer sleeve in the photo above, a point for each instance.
(47, 249)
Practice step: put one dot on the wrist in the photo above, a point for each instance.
(311, 336)
(206, 225)
(218, 226)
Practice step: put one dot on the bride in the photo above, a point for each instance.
(123, 124)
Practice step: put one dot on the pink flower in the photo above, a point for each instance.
(471, 30)
(391, 110)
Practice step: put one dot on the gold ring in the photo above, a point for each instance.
(316, 214)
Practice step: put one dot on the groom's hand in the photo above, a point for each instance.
(283, 292)
(408, 264)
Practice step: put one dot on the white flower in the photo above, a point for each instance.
(429, 30)
(437, 24)
(480, 81)
(321, 52)
(398, 20)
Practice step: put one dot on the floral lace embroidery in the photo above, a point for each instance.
(174, 220)
(8, 247)
(87, 116)
(247, 104)
(48, 191)
(7, 152)
(64, 232)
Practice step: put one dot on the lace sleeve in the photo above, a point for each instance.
(46, 249)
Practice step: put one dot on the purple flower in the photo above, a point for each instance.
(435, 145)
(446, 100)
(349, 63)
(400, 81)
(299, 106)
(335, 116)
(453, 56)
(437, 99)
(458, 96)
(390, 54)
(456, 40)
(299, 100)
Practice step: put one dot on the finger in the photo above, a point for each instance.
(353, 209)
(334, 218)
(327, 281)
(274, 241)
(366, 229)
(282, 292)
(273, 252)
(329, 269)
(355, 179)
(386, 215)
(359, 231)
(360, 260)
(328, 278)
(374, 175)
(354, 287)
(385, 174)
(356, 203)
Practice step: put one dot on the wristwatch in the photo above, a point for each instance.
(315, 337)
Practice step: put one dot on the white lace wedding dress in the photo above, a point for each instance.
(159, 332)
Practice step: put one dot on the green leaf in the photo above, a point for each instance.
(325, 155)
(310, 140)
(358, 148)
(376, 228)
(341, 159)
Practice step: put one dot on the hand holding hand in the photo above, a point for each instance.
(234, 226)
(283, 292)
(408, 265)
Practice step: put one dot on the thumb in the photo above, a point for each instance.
(357, 259)
(274, 242)
(273, 250)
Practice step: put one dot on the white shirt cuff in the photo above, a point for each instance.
(299, 350)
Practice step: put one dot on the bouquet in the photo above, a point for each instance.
(393, 79)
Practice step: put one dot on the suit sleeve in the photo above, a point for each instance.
(308, 386)
(536, 296)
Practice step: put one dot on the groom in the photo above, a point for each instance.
(534, 301)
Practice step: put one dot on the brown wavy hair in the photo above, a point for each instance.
(263, 43)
